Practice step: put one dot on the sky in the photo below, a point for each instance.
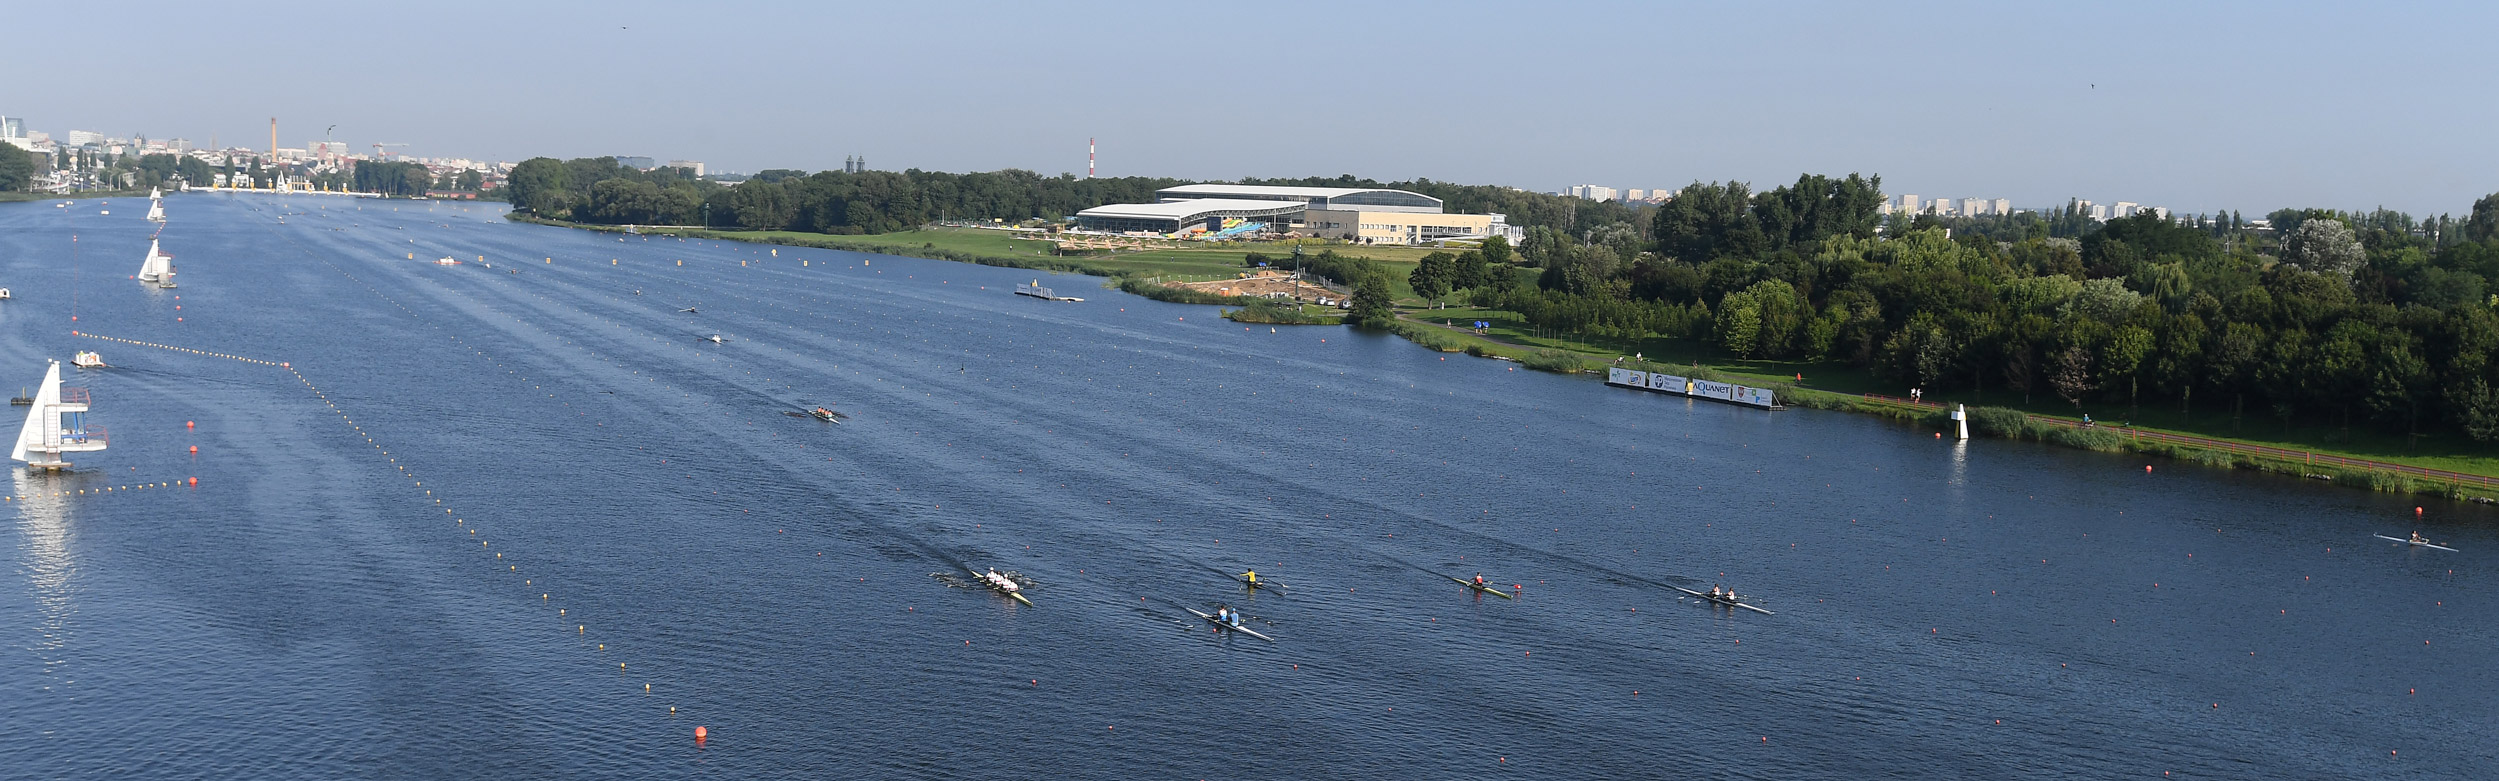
(2200, 107)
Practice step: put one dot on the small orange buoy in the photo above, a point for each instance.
(701, 733)
(195, 481)
(190, 424)
(195, 450)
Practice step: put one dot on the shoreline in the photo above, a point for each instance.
(85, 196)
(2330, 466)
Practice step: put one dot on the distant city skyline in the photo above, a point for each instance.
(2243, 106)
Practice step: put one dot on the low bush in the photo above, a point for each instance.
(2393, 482)
(1552, 360)
(2218, 458)
(2086, 438)
(1428, 336)
(2001, 422)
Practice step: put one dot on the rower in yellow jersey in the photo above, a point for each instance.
(1252, 576)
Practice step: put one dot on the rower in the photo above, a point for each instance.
(1479, 580)
(1252, 575)
(2417, 539)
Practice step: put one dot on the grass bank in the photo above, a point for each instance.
(12, 197)
(1271, 312)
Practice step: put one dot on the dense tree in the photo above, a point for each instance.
(1497, 251)
(17, 167)
(762, 205)
(540, 186)
(2324, 246)
(392, 178)
(2483, 223)
(1705, 222)
(1542, 246)
(1434, 276)
(1371, 306)
(2073, 375)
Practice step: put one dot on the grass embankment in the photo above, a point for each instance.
(14, 197)
(1837, 386)
(1273, 312)
(1830, 385)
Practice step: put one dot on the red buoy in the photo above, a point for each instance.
(702, 733)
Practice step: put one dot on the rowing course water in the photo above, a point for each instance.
(308, 610)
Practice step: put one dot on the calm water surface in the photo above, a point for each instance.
(485, 505)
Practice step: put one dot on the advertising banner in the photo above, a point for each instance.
(1759, 397)
(1621, 376)
(1713, 390)
(1667, 383)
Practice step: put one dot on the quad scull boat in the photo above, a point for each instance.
(2418, 543)
(1480, 587)
(1728, 601)
(1000, 583)
(1220, 623)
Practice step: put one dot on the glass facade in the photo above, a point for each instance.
(1382, 198)
(1211, 218)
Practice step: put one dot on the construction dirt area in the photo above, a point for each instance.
(1266, 284)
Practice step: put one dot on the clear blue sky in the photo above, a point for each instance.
(2240, 105)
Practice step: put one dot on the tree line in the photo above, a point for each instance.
(2374, 319)
(598, 190)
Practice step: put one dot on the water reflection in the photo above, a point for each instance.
(43, 549)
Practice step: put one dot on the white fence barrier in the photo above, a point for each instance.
(1731, 393)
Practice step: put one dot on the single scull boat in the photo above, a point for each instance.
(1260, 583)
(2421, 543)
(1480, 587)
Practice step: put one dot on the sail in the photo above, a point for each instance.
(156, 210)
(158, 265)
(47, 400)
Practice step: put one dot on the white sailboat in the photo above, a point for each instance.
(57, 425)
(156, 206)
(158, 269)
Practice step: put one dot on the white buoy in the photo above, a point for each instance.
(1961, 418)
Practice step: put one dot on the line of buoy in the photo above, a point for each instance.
(101, 491)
